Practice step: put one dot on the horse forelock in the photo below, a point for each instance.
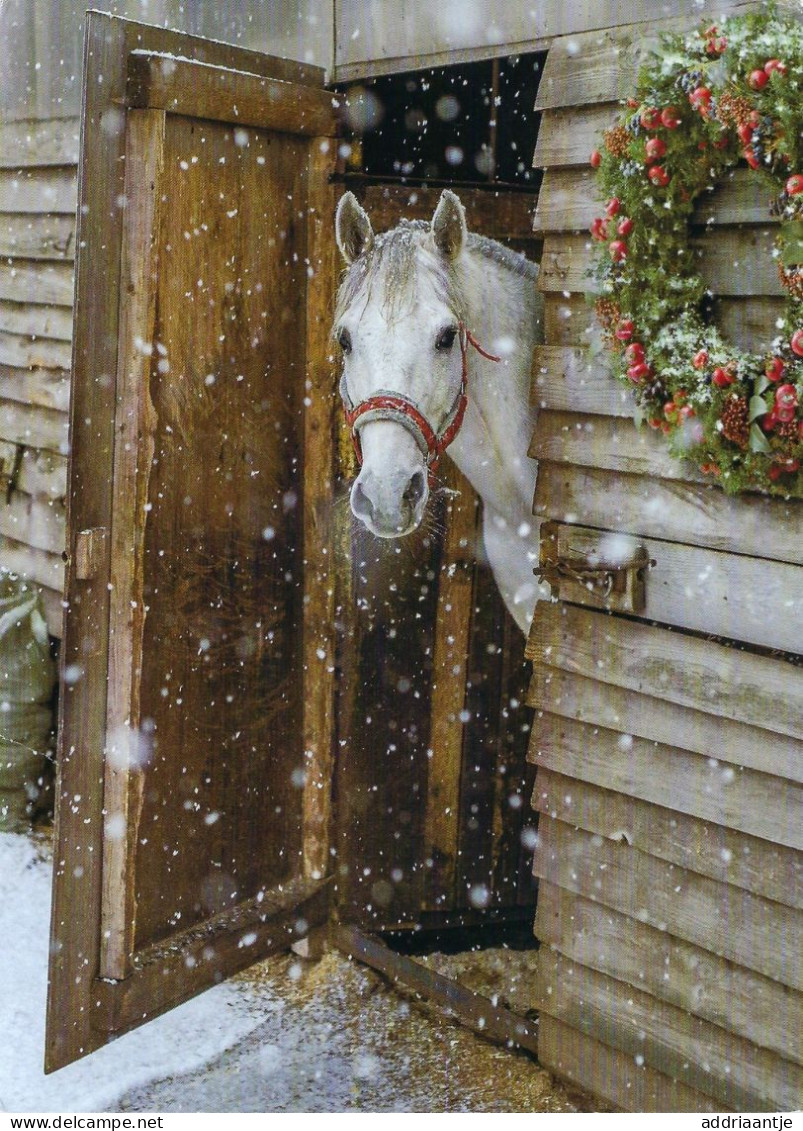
(391, 269)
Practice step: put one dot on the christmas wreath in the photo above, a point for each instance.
(703, 105)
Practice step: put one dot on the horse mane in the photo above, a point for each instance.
(391, 263)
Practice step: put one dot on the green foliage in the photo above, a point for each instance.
(703, 104)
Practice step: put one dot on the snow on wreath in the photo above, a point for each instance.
(704, 103)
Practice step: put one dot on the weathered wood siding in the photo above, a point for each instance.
(38, 189)
(667, 745)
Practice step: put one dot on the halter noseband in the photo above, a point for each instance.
(387, 405)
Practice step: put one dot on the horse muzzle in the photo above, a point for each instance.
(390, 507)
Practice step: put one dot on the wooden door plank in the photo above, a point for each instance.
(653, 717)
(708, 676)
(40, 566)
(40, 524)
(509, 215)
(46, 388)
(568, 134)
(202, 90)
(39, 190)
(685, 1047)
(732, 261)
(611, 1074)
(34, 282)
(32, 142)
(33, 426)
(608, 442)
(570, 199)
(755, 600)
(33, 236)
(36, 320)
(577, 379)
(135, 427)
(675, 511)
(693, 979)
(320, 404)
(729, 921)
(449, 672)
(19, 352)
(712, 848)
(758, 804)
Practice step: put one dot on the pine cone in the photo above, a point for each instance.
(733, 109)
(608, 313)
(617, 141)
(789, 430)
(736, 420)
(792, 279)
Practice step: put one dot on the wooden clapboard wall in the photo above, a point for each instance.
(668, 745)
(38, 177)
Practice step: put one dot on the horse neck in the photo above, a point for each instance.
(491, 449)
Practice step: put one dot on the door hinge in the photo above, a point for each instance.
(593, 567)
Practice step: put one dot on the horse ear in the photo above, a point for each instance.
(449, 225)
(353, 230)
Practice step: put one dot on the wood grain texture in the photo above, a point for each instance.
(612, 1074)
(729, 921)
(37, 143)
(607, 442)
(21, 352)
(653, 717)
(40, 524)
(41, 566)
(134, 449)
(576, 379)
(675, 511)
(33, 236)
(616, 810)
(39, 190)
(36, 320)
(203, 90)
(37, 282)
(690, 977)
(449, 673)
(743, 800)
(33, 426)
(47, 388)
(320, 405)
(732, 262)
(755, 600)
(688, 1049)
(711, 677)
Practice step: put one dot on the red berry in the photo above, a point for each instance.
(722, 378)
(634, 353)
(745, 132)
(794, 185)
(670, 117)
(618, 250)
(797, 343)
(639, 371)
(670, 410)
(599, 229)
(624, 331)
(722, 143)
(775, 65)
(625, 226)
(786, 401)
(612, 207)
(655, 148)
(774, 369)
(700, 98)
(700, 359)
(595, 160)
(658, 175)
(650, 118)
(757, 79)
(751, 159)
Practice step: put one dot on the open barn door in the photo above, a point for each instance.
(195, 736)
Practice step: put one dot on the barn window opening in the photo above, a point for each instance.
(470, 124)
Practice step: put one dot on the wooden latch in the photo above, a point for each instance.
(593, 567)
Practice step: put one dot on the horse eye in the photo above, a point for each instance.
(344, 340)
(445, 339)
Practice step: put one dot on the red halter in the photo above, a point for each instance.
(393, 406)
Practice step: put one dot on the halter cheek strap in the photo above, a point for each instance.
(387, 405)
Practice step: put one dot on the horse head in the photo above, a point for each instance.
(400, 325)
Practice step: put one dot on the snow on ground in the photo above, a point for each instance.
(285, 1036)
(180, 1041)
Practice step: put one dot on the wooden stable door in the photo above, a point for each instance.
(195, 731)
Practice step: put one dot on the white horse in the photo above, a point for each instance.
(437, 327)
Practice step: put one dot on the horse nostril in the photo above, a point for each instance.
(361, 505)
(415, 489)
